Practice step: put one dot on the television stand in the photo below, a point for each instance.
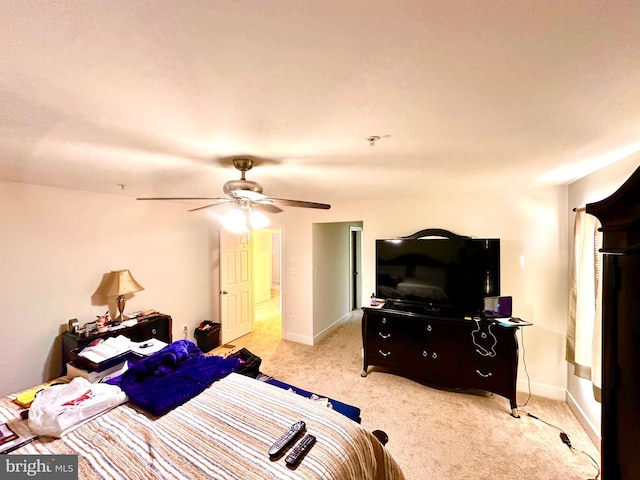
(441, 350)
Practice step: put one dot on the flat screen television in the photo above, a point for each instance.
(455, 274)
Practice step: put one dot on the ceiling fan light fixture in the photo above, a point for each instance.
(258, 220)
(235, 221)
(242, 220)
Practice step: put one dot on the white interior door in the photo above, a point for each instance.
(236, 299)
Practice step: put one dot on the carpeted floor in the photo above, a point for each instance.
(433, 433)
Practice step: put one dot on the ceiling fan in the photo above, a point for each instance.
(246, 194)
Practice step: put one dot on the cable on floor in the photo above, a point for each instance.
(567, 441)
(563, 435)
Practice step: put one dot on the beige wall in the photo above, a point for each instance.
(56, 244)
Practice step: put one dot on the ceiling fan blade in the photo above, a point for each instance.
(299, 203)
(266, 207)
(184, 198)
(208, 206)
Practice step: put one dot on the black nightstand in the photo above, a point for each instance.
(153, 326)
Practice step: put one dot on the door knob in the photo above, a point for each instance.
(223, 292)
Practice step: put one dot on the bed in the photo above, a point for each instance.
(222, 433)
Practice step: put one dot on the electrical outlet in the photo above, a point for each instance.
(185, 330)
(293, 319)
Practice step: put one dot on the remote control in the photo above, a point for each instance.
(287, 438)
(300, 450)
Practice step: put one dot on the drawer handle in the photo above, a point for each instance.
(484, 375)
(153, 332)
(384, 354)
(434, 355)
(425, 353)
(384, 335)
(429, 328)
(384, 320)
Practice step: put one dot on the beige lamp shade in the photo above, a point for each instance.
(117, 283)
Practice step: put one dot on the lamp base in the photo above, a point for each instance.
(121, 303)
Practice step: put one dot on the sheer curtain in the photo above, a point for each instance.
(584, 335)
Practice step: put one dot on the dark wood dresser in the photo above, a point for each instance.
(442, 351)
(619, 215)
(153, 326)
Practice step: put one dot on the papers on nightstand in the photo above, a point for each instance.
(147, 347)
(103, 355)
(102, 350)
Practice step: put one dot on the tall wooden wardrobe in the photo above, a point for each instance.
(620, 218)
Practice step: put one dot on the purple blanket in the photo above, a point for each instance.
(171, 376)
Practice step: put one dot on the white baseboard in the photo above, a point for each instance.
(323, 334)
(593, 432)
(307, 340)
(542, 390)
(296, 337)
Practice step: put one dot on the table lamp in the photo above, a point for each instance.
(118, 284)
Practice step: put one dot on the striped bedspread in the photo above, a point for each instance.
(223, 433)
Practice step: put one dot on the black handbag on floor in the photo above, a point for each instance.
(249, 363)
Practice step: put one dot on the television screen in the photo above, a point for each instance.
(444, 272)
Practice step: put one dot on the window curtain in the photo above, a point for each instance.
(584, 335)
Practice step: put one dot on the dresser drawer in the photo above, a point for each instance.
(383, 322)
(386, 355)
(483, 373)
(385, 340)
(435, 349)
(158, 327)
(385, 330)
(489, 368)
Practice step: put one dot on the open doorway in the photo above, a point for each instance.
(355, 250)
(334, 290)
(267, 272)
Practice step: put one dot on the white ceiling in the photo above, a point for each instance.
(152, 94)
